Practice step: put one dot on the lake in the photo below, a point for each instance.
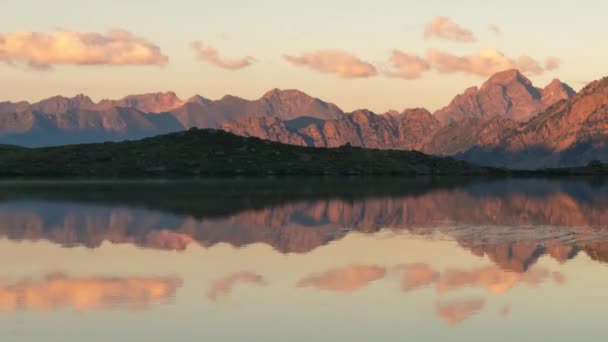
(297, 259)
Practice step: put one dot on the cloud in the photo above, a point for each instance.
(417, 276)
(529, 65)
(457, 312)
(43, 50)
(484, 63)
(334, 61)
(223, 287)
(552, 63)
(57, 291)
(446, 28)
(495, 29)
(212, 56)
(407, 66)
(493, 279)
(347, 279)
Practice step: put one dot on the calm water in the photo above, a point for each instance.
(302, 260)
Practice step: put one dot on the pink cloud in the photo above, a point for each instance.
(223, 287)
(347, 279)
(43, 50)
(446, 28)
(493, 279)
(417, 276)
(484, 63)
(211, 55)
(407, 66)
(552, 63)
(334, 61)
(457, 312)
(529, 65)
(59, 291)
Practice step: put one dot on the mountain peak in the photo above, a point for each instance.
(555, 91)
(61, 104)
(508, 76)
(284, 93)
(595, 86)
(507, 93)
(198, 99)
(150, 102)
(167, 95)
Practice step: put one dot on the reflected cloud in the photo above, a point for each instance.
(558, 278)
(58, 291)
(223, 287)
(417, 276)
(456, 312)
(493, 279)
(348, 279)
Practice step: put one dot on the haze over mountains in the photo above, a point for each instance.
(506, 122)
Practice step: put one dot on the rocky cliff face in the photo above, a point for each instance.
(282, 104)
(509, 94)
(506, 122)
(468, 133)
(148, 103)
(409, 130)
(568, 133)
(479, 118)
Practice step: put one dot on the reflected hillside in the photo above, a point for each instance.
(513, 222)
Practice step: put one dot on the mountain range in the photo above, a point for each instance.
(506, 122)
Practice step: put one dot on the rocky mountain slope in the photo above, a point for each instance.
(569, 133)
(480, 117)
(507, 122)
(509, 94)
(497, 130)
(409, 130)
(61, 120)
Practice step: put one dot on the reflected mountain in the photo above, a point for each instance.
(513, 221)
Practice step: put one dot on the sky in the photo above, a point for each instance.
(381, 54)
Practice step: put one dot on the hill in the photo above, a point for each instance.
(206, 152)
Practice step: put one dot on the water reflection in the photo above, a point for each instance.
(58, 291)
(347, 279)
(355, 259)
(559, 218)
(456, 312)
(223, 287)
